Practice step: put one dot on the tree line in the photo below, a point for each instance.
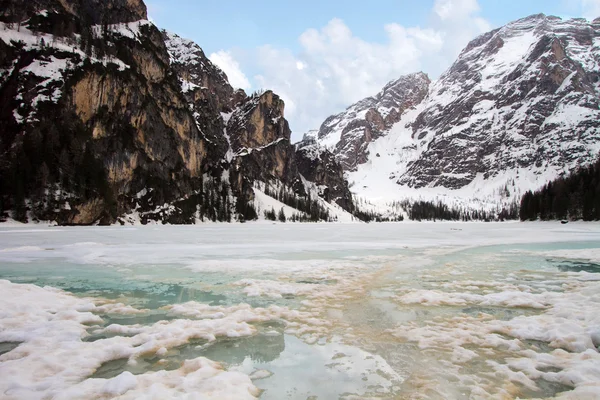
(430, 211)
(310, 209)
(573, 197)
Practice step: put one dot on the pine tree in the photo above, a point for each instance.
(281, 215)
(576, 196)
(270, 215)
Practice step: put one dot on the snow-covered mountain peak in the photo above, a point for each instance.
(522, 89)
(530, 44)
(188, 53)
(408, 88)
(348, 134)
(520, 106)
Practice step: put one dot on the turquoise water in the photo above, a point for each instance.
(368, 274)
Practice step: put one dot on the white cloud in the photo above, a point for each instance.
(153, 10)
(455, 9)
(336, 68)
(459, 22)
(224, 60)
(590, 8)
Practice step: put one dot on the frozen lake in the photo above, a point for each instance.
(323, 311)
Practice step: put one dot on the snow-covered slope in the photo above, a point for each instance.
(348, 134)
(520, 106)
(265, 203)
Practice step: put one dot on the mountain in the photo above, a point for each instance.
(106, 118)
(521, 105)
(349, 133)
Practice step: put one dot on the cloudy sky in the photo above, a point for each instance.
(321, 56)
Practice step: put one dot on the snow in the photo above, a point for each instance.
(187, 86)
(188, 53)
(33, 40)
(503, 299)
(336, 212)
(198, 378)
(182, 50)
(18, 117)
(513, 52)
(570, 115)
(49, 324)
(365, 308)
(52, 69)
(263, 202)
(246, 151)
(130, 30)
(272, 289)
(385, 178)
(566, 83)
(192, 245)
(312, 151)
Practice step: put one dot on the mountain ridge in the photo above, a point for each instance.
(519, 107)
(349, 132)
(108, 119)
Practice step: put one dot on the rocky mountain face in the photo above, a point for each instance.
(260, 141)
(521, 105)
(255, 134)
(320, 166)
(526, 96)
(104, 116)
(92, 12)
(349, 133)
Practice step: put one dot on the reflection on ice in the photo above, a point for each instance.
(5, 347)
(578, 266)
(325, 371)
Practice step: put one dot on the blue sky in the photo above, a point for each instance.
(321, 56)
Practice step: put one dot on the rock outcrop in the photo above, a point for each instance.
(349, 133)
(320, 166)
(81, 12)
(260, 143)
(104, 115)
(205, 88)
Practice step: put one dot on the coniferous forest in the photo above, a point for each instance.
(430, 211)
(574, 197)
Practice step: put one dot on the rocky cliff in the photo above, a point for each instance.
(526, 96)
(349, 133)
(104, 115)
(260, 140)
(80, 12)
(320, 166)
(520, 106)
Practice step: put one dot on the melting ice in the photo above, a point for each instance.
(301, 311)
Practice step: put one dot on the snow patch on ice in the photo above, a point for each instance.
(50, 326)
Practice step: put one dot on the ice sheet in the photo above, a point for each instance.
(375, 311)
